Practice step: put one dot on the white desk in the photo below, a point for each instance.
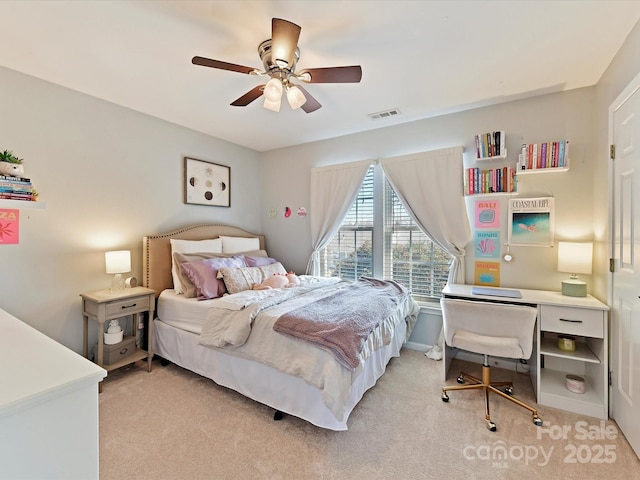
(584, 318)
(48, 406)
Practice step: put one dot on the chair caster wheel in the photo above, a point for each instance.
(509, 390)
(460, 379)
(537, 420)
(445, 397)
(491, 426)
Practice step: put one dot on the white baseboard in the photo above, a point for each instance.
(421, 347)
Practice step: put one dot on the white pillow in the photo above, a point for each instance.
(239, 244)
(190, 246)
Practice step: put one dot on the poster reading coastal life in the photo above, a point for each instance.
(487, 244)
(488, 274)
(9, 226)
(531, 221)
(487, 214)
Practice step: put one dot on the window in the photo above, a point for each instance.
(408, 256)
(349, 255)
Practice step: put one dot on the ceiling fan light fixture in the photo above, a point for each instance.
(273, 106)
(295, 97)
(273, 90)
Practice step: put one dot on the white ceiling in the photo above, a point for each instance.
(423, 57)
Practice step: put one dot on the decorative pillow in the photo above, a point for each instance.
(241, 279)
(204, 275)
(239, 244)
(190, 246)
(189, 290)
(258, 261)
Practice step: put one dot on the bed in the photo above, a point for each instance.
(249, 356)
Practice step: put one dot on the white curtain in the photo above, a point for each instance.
(429, 184)
(333, 190)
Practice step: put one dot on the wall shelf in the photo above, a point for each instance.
(542, 170)
(20, 204)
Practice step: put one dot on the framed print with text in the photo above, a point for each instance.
(531, 221)
(206, 183)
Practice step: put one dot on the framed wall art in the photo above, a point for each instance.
(206, 183)
(531, 221)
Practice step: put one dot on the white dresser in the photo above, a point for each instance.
(48, 407)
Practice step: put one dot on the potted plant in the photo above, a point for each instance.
(8, 156)
(10, 164)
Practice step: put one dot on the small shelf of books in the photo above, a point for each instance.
(543, 157)
(490, 146)
(17, 192)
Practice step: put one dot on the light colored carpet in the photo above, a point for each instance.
(173, 424)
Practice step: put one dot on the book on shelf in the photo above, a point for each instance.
(17, 196)
(490, 144)
(546, 155)
(15, 179)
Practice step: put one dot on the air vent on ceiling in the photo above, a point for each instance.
(387, 113)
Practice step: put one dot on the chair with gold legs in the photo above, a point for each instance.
(490, 329)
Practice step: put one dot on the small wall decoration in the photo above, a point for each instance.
(488, 274)
(9, 226)
(531, 221)
(487, 244)
(302, 212)
(487, 214)
(207, 183)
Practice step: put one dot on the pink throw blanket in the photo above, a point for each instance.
(341, 323)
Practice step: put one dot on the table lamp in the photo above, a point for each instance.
(575, 258)
(118, 262)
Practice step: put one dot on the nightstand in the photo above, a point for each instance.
(106, 305)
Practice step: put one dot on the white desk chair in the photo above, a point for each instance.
(487, 328)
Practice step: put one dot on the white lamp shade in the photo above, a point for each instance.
(575, 257)
(269, 105)
(295, 97)
(273, 90)
(118, 261)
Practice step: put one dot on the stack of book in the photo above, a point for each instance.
(495, 180)
(16, 188)
(544, 155)
(491, 144)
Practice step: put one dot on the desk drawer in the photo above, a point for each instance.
(128, 306)
(575, 321)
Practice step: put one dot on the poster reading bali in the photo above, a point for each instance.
(531, 221)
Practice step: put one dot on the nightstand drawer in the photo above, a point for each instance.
(128, 306)
(575, 321)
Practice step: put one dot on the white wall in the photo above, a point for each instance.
(568, 115)
(108, 176)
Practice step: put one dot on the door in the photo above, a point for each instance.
(625, 292)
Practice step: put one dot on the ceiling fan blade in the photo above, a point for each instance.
(311, 105)
(207, 62)
(284, 41)
(249, 97)
(351, 74)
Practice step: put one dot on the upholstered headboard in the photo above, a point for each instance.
(156, 251)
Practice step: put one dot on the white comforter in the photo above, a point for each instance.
(242, 324)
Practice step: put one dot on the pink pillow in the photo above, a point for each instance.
(204, 274)
(253, 261)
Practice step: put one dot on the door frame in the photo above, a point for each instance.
(632, 87)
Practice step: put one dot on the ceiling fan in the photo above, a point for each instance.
(280, 55)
